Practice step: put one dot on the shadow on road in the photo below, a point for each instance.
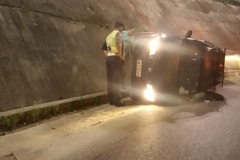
(184, 107)
(212, 102)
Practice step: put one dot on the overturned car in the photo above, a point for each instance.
(169, 64)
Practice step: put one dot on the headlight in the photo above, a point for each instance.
(154, 44)
(149, 93)
(163, 35)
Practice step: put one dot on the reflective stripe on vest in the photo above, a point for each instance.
(111, 41)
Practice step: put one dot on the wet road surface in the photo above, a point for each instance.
(192, 130)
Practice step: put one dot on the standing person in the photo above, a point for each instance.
(127, 50)
(114, 63)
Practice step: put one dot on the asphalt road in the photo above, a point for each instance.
(190, 130)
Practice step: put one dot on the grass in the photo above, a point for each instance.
(21, 119)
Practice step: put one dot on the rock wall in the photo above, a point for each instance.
(51, 50)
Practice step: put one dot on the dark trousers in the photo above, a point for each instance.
(114, 78)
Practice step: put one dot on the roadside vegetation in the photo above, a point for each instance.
(232, 2)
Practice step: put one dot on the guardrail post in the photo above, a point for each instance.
(223, 65)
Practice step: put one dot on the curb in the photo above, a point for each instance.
(9, 120)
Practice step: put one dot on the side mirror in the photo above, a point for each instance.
(189, 34)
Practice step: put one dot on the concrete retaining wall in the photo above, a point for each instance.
(45, 58)
(51, 50)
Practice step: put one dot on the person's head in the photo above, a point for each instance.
(119, 26)
(130, 31)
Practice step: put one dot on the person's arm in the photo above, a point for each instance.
(105, 53)
(104, 49)
(119, 43)
(119, 48)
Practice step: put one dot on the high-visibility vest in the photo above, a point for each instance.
(111, 41)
